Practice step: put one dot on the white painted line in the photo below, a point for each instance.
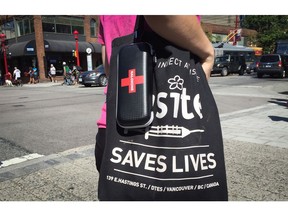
(20, 159)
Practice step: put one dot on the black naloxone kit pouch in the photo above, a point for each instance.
(135, 86)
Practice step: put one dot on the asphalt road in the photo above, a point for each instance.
(47, 119)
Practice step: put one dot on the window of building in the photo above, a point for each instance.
(24, 25)
(63, 24)
(32, 26)
(8, 29)
(48, 27)
(20, 29)
(92, 28)
(80, 29)
(61, 28)
(77, 24)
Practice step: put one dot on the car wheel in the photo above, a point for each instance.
(241, 72)
(87, 85)
(103, 80)
(224, 71)
(259, 75)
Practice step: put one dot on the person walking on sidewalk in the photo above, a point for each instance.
(31, 75)
(36, 76)
(52, 73)
(17, 76)
(66, 71)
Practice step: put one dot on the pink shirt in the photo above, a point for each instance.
(112, 27)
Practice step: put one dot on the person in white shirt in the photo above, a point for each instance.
(53, 73)
(16, 74)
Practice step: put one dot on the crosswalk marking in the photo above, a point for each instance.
(20, 159)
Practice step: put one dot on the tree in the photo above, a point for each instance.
(270, 28)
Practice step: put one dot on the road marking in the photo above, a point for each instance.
(20, 159)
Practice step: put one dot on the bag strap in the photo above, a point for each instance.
(139, 27)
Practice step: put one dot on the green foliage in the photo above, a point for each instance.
(270, 28)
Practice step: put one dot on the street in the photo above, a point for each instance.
(53, 119)
(46, 121)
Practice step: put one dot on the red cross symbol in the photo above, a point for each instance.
(132, 80)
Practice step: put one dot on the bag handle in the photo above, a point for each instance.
(139, 27)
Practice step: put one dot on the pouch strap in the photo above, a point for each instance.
(139, 27)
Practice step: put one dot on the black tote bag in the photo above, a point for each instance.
(179, 156)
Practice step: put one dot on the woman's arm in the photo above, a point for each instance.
(186, 32)
(105, 60)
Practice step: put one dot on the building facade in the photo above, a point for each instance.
(218, 28)
(39, 41)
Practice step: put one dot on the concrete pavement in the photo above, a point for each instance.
(256, 154)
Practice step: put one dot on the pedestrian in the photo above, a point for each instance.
(31, 75)
(52, 73)
(184, 32)
(35, 73)
(8, 79)
(17, 76)
(75, 74)
(66, 71)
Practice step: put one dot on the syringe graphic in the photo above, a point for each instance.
(170, 131)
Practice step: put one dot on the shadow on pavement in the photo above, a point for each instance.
(285, 92)
(278, 118)
(280, 102)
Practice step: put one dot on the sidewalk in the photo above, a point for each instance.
(70, 175)
(44, 84)
(256, 154)
(37, 85)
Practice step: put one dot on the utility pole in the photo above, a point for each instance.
(3, 47)
(236, 29)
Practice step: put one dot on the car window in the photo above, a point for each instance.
(220, 59)
(100, 68)
(269, 58)
(217, 59)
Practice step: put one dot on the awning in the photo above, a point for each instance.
(97, 47)
(68, 46)
(17, 49)
(29, 47)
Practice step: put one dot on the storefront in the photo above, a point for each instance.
(38, 41)
(23, 55)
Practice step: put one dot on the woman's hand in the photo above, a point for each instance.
(186, 32)
(207, 65)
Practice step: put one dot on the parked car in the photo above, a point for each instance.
(251, 65)
(93, 77)
(229, 64)
(273, 65)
